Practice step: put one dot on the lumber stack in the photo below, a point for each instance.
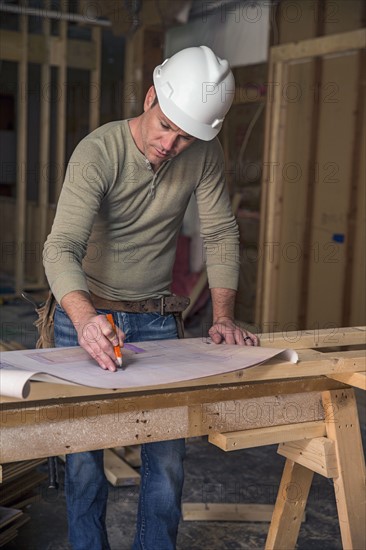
(20, 481)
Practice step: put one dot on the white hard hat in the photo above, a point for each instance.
(195, 89)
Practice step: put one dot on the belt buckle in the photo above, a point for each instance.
(162, 305)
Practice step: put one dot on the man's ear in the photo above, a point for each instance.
(149, 98)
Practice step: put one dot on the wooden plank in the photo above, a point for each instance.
(233, 441)
(186, 393)
(317, 454)
(95, 82)
(44, 153)
(324, 45)
(289, 508)
(118, 472)
(22, 133)
(13, 470)
(197, 511)
(131, 454)
(308, 365)
(310, 369)
(344, 429)
(273, 183)
(92, 424)
(357, 180)
(315, 338)
(80, 54)
(8, 515)
(328, 225)
(265, 191)
(12, 531)
(61, 104)
(15, 489)
(133, 79)
(355, 379)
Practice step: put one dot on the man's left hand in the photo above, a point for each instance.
(225, 330)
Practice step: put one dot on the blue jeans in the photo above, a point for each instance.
(86, 487)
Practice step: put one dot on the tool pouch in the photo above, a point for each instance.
(45, 323)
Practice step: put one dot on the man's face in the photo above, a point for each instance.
(161, 139)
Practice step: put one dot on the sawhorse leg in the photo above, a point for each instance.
(290, 505)
(343, 428)
(347, 468)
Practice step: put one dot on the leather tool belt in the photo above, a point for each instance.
(164, 305)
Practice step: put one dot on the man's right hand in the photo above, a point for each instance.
(95, 333)
(97, 337)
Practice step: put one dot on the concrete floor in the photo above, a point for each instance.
(248, 476)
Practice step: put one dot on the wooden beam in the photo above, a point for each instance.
(92, 424)
(131, 454)
(95, 82)
(133, 80)
(44, 152)
(317, 454)
(316, 338)
(22, 149)
(355, 379)
(308, 375)
(61, 104)
(118, 472)
(233, 441)
(80, 54)
(198, 511)
(271, 203)
(334, 43)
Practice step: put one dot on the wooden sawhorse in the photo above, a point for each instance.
(308, 408)
(332, 448)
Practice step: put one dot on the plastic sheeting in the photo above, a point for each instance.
(237, 31)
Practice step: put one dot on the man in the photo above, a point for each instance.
(112, 248)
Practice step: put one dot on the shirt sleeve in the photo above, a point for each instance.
(219, 229)
(83, 189)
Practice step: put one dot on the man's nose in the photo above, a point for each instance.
(168, 142)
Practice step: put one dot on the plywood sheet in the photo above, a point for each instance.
(333, 163)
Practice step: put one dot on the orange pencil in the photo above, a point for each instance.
(117, 349)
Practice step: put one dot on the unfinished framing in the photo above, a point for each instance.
(311, 247)
(46, 50)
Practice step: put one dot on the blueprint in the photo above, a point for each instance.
(146, 364)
